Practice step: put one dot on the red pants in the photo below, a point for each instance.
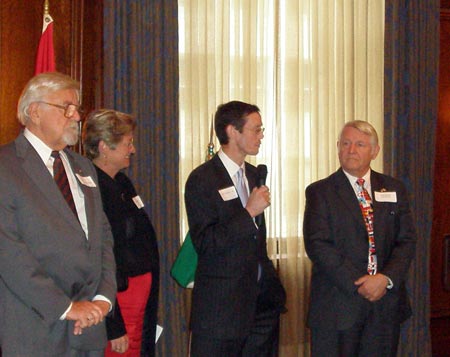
(132, 304)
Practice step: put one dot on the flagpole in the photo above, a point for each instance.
(46, 8)
(45, 59)
(210, 152)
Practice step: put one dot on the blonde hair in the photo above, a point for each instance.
(364, 127)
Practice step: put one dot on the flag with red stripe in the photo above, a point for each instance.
(45, 60)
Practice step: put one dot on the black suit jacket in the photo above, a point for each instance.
(336, 242)
(229, 248)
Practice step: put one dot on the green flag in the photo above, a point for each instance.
(184, 267)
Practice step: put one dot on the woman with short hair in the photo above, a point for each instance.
(131, 328)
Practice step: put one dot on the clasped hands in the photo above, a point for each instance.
(258, 201)
(372, 287)
(87, 314)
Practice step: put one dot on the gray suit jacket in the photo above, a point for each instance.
(336, 242)
(45, 259)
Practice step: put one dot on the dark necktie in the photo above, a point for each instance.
(365, 203)
(60, 177)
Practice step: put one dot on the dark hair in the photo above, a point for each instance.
(231, 113)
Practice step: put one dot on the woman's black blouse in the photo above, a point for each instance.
(135, 244)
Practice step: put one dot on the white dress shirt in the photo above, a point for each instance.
(45, 154)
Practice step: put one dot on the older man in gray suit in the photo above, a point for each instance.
(57, 271)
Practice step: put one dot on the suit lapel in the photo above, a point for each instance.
(346, 193)
(35, 169)
(223, 179)
(380, 209)
(251, 176)
(87, 192)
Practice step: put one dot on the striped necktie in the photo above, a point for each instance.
(60, 177)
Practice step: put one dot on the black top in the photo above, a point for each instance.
(135, 246)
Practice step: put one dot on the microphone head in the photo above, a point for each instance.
(262, 174)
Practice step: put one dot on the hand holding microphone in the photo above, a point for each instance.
(259, 198)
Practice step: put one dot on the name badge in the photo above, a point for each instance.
(386, 196)
(86, 180)
(138, 202)
(228, 193)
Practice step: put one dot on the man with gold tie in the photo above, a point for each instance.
(360, 237)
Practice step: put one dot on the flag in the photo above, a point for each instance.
(184, 267)
(45, 59)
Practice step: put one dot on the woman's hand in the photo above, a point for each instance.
(120, 345)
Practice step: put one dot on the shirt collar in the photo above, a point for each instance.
(41, 148)
(352, 179)
(231, 167)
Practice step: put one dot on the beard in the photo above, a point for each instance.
(71, 134)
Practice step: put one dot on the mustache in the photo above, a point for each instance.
(74, 126)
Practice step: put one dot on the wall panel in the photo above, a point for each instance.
(78, 30)
(440, 245)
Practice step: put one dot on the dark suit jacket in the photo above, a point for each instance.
(336, 242)
(45, 259)
(229, 248)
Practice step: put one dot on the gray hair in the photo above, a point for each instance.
(364, 127)
(107, 125)
(40, 86)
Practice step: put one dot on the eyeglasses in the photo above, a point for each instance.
(257, 131)
(69, 109)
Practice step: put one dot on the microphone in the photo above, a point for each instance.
(261, 171)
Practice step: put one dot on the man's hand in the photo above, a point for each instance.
(103, 305)
(372, 287)
(85, 314)
(120, 345)
(258, 201)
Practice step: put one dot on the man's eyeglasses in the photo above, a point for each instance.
(257, 131)
(69, 109)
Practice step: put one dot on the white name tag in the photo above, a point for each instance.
(86, 180)
(386, 196)
(228, 193)
(138, 202)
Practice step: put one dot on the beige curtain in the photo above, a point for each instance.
(310, 65)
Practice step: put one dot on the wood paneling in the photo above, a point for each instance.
(78, 51)
(20, 26)
(440, 297)
(439, 274)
